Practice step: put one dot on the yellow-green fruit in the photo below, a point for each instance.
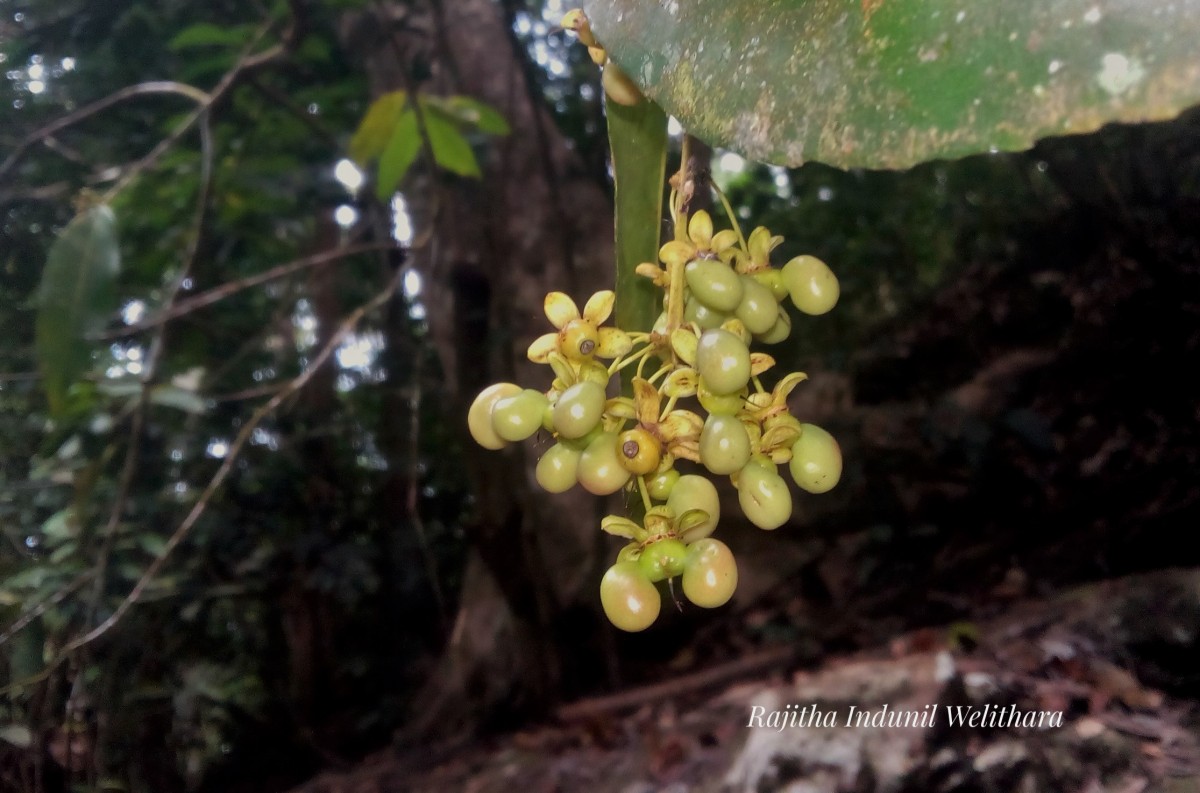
(557, 470)
(772, 279)
(707, 318)
(816, 460)
(780, 330)
(723, 360)
(600, 470)
(578, 340)
(714, 283)
(578, 409)
(479, 417)
(763, 496)
(758, 308)
(663, 559)
(517, 417)
(659, 486)
(618, 86)
(812, 285)
(630, 601)
(640, 451)
(725, 403)
(724, 444)
(709, 573)
(696, 492)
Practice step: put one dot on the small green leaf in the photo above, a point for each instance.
(205, 34)
(375, 130)
(152, 544)
(399, 155)
(478, 114)
(179, 398)
(450, 149)
(76, 295)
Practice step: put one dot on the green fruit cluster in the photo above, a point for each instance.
(698, 401)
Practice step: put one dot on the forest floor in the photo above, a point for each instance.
(1117, 659)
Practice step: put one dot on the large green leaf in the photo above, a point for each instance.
(375, 130)
(450, 148)
(890, 83)
(399, 155)
(638, 137)
(76, 296)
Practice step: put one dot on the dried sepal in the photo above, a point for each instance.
(630, 553)
(681, 383)
(760, 362)
(621, 408)
(594, 371)
(784, 387)
(677, 252)
(684, 343)
(737, 328)
(562, 370)
(622, 527)
(613, 343)
(780, 435)
(700, 229)
(688, 521)
(655, 273)
(646, 400)
(539, 351)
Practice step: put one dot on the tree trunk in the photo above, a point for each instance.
(534, 223)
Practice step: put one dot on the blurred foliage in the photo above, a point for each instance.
(303, 611)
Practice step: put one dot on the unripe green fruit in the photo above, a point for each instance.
(724, 444)
(517, 417)
(479, 417)
(780, 330)
(772, 279)
(707, 318)
(763, 496)
(660, 486)
(714, 283)
(725, 403)
(723, 360)
(600, 470)
(558, 469)
(663, 559)
(816, 460)
(758, 308)
(579, 409)
(812, 285)
(696, 492)
(630, 601)
(709, 573)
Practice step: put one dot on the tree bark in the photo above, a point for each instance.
(536, 222)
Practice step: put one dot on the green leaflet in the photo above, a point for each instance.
(77, 294)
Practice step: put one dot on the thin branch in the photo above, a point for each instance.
(233, 287)
(32, 613)
(218, 479)
(153, 87)
(227, 84)
(150, 369)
